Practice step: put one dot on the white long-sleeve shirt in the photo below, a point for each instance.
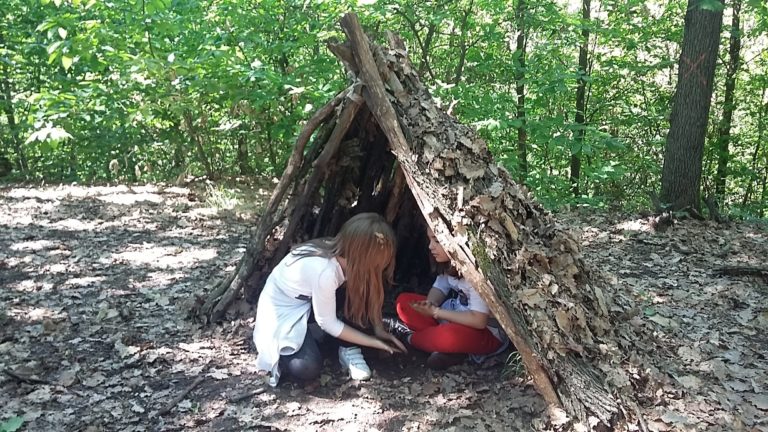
(296, 286)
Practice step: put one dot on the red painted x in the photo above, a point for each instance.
(694, 67)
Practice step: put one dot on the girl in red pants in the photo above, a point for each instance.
(450, 327)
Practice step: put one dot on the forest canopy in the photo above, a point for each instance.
(573, 97)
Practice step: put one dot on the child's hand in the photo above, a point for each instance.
(424, 307)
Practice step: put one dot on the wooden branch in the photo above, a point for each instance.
(320, 166)
(245, 395)
(396, 195)
(343, 53)
(228, 290)
(25, 378)
(298, 151)
(541, 379)
(376, 95)
(175, 401)
(742, 271)
(381, 108)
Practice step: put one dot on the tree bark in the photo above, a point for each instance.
(758, 144)
(243, 162)
(6, 92)
(581, 99)
(194, 134)
(520, 53)
(729, 104)
(684, 149)
(463, 46)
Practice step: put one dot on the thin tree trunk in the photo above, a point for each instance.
(6, 93)
(684, 149)
(758, 145)
(522, 131)
(242, 155)
(424, 65)
(463, 46)
(729, 104)
(581, 99)
(198, 140)
(425, 46)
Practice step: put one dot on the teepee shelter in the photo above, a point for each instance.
(383, 145)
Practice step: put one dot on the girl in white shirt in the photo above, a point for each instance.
(306, 280)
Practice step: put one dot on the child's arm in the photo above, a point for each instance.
(354, 336)
(435, 296)
(470, 318)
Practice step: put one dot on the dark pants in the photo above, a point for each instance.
(306, 363)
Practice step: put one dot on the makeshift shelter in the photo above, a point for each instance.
(383, 145)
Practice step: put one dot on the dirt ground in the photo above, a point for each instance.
(96, 284)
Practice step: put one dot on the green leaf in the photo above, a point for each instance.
(66, 61)
(12, 424)
(63, 33)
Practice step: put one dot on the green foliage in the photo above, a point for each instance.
(159, 89)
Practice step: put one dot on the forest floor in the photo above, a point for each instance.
(96, 284)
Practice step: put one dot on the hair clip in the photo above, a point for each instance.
(379, 237)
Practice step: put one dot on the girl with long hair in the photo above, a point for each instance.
(306, 281)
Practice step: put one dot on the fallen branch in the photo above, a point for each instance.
(742, 271)
(245, 395)
(25, 379)
(175, 401)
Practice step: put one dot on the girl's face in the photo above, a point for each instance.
(436, 249)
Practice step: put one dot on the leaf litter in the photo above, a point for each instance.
(97, 284)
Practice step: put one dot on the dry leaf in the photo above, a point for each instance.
(94, 380)
(689, 381)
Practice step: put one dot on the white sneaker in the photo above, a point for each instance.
(352, 358)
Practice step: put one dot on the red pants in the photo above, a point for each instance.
(431, 336)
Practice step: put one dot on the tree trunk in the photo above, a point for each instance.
(581, 99)
(194, 134)
(243, 163)
(684, 149)
(755, 155)
(729, 104)
(463, 46)
(6, 92)
(520, 52)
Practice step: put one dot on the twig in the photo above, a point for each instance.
(175, 401)
(742, 271)
(245, 395)
(25, 379)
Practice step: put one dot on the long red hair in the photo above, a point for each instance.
(367, 243)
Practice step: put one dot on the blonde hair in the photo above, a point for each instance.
(367, 243)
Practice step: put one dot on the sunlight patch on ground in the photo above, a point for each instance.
(33, 245)
(638, 225)
(35, 314)
(54, 193)
(85, 281)
(131, 198)
(73, 224)
(163, 256)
